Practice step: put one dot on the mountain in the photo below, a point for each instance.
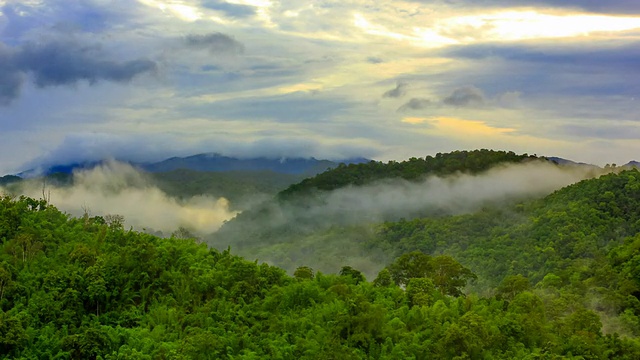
(210, 163)
(219, 163)
(562, 161)
(88, 288)
(59, 169)
(9, 179)
(309, 220)
(553, 276)
(243, 189)
(632, 164)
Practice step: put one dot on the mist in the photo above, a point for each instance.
(393, 199)
(451, 195)
(327, 230)
(118, 188)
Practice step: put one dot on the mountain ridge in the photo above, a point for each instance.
(208, 162)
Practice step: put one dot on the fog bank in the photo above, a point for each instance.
(118, 188)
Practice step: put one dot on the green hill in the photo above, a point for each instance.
(85, 288)
(241, 188)
(328, 218)
(413, 169)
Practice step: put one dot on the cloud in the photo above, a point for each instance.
(388, 200)
(297, 107)
(399, 91)
(140, 148)
(229, 9)
(374, 60)
(611, 131)
(93, 16)
(453, 194)
(10, 78)
(416, 104)
(509, 99)
(216, 43)
(599, 6)
(117, 188)
(58, 63)
(67, 62)
(604, 55)
(467, 96)
(552, 71)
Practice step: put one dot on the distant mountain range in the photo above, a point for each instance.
(212, 163)
(561, 161)
(219, 163)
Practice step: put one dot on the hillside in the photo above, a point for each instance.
(359, 174)
(317, 214)
(569, 232)
(85, 288)
(242, 188)
(206, 163)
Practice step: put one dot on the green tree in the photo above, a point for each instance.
(356, 275)
(449, 276)
(304, 273)
(415, 264)
(512, 285)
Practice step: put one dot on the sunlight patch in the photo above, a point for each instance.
(414, 120)
(451, 125)
(522, 25)
(178, 9)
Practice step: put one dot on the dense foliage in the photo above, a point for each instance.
(413, 169)
(85, 288)
(557, 277)
(581, 243)
(288, 217)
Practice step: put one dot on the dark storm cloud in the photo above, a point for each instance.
(416, 104)
(467, 96)
(61, 63)
(399, 91)
(216, 43)
(598, 6)
(232, 10)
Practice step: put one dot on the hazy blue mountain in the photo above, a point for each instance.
(62, 169)
(220, 163)
(211, 163)
(8, 179)
(562, 161)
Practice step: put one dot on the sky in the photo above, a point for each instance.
(144, 80)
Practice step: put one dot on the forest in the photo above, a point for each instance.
(531, 277)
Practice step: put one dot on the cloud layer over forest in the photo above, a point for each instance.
(115, 188)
